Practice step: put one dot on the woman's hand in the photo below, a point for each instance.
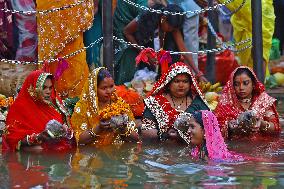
(55, 129)
(119, 123)
(104, 125)
(233, 124)
(44, 136)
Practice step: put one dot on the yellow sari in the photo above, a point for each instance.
(87, 114)
(61, 33)
(242, 24)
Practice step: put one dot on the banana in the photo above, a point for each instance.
(201, 85)
(219, 89)
(215, 86)
(207, 87)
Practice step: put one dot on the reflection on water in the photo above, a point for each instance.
(136, 166)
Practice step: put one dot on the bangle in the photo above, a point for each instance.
(50, 133)
(130, 127)
(92, 134)
(266, 127)
(32, 139)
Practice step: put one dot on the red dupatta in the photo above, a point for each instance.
(29, 113)
(229, 107)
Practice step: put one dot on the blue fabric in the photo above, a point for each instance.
(95, 32)
(186, 5)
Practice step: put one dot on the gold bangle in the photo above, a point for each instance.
(266, 127)
(131, 126)
(92, 134)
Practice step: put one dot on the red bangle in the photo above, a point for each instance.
(32, 139)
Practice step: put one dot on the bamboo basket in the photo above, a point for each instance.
(12, 77)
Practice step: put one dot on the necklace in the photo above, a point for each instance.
(179, 106)
(246, 100)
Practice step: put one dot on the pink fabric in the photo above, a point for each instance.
(216, 147)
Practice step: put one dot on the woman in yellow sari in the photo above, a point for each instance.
(242, 24)
(61, 33)
(100, 117)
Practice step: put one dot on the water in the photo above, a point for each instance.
(136, 166)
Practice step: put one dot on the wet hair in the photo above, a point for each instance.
(198, 117)
(103, 73)
(149, 21)
(246, 71)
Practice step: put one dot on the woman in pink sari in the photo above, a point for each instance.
(205, 135)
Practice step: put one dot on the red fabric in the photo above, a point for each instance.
(147, 55)
(27, 115)
(225, 64)
(174, 70)
(229, 107)
(167, 108)
(164, 58)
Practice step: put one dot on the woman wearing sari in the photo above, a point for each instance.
(37, 120)
(158, 31)
(241, 21)
(205, 135)
(125, 56)
(100, 117)
(174, 95)
(60, 33)
(244, 108)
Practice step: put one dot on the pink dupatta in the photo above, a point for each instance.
(216, 147)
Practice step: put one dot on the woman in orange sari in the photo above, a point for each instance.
(37, 120)
(244, 108)
(101, 117)
(61, 33)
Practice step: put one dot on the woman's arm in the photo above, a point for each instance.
(129, 31)
(181, 47)
(270, 122)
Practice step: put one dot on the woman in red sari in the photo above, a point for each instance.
(244, 108)
(37, 120)
(173, 98)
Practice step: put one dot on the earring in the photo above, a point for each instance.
(162, 20)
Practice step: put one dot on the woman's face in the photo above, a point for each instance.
(105, 89)
(180, 85)
(196, 132)
(47, 89)
(243, 86)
